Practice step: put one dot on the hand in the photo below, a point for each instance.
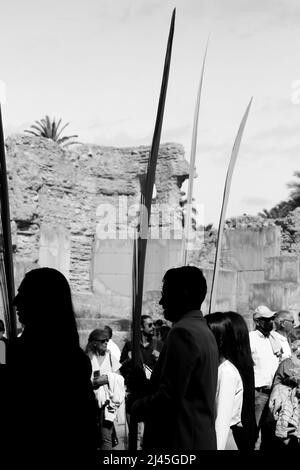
(155, 354)
(275, 405)
(99, 381)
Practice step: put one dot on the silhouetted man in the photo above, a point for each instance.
(179, 412)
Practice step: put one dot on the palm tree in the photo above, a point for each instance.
(295, 187)
(280, 210)
(50, 130)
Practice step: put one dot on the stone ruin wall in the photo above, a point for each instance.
(54, 198)
(261, 258)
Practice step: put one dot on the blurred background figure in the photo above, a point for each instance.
(111, 345)
(293, 334)
(162, 329)
(285, 401)
(284, 323)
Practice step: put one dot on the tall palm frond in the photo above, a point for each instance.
(7, 284)
(233, 158)
(140, 247)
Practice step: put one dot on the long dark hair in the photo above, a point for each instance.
(221, 327)
(51, 316)
(232, 336)
(244, 364)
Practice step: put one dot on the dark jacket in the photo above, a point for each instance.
(52, 404)
(179, 413)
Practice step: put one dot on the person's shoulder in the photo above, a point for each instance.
(278, 336)
(229, 371)
(127, 345)
(254, 336)
(286, 363)
(253, 333)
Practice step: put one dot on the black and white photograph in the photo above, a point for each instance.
(150, 231)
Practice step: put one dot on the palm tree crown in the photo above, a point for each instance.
(50, 129)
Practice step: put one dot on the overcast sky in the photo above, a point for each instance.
(98, 64)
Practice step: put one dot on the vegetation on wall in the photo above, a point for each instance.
(50, 129)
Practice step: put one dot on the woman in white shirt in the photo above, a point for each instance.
(229, 397)
(104, 367)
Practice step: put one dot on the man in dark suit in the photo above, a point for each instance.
(179, 412)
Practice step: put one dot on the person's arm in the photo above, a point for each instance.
(99, 381)
(179, 359)
(281, 378)
(227, 386)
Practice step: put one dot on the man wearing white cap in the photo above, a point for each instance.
(266, 353)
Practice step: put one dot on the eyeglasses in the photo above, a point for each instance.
(149, 324)
(101, 340)
(291, 321)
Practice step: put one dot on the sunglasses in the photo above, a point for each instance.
(101, 340)
(149, 324)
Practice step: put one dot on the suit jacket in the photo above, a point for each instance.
(179, 413)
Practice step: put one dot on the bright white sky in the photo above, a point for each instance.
(98, 64)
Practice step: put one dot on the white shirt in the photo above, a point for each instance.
(229, 401)
(265, 361)
(286, 349)
(114, 349)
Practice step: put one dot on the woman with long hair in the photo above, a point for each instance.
(229, 396)
(245, 435)
(108, 385)
(50, 375)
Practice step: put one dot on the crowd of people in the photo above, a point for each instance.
(201, 383)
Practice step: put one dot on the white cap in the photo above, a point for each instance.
(263, 312)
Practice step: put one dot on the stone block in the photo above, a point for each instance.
(282, 268)
(245, 249)
(55, 248)
(276, 295)
(226, 290)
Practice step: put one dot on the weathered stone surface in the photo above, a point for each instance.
(56, 198)
(226, 290)
(244, 281)
(282, 268)
(246, 249)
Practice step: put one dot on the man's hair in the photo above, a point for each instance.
(143, 318)
(190, 280)
(281, 315)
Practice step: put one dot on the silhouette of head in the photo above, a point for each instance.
(184, 289)
(44, 299)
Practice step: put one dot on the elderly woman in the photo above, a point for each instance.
(107, 383)
(284, 401)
